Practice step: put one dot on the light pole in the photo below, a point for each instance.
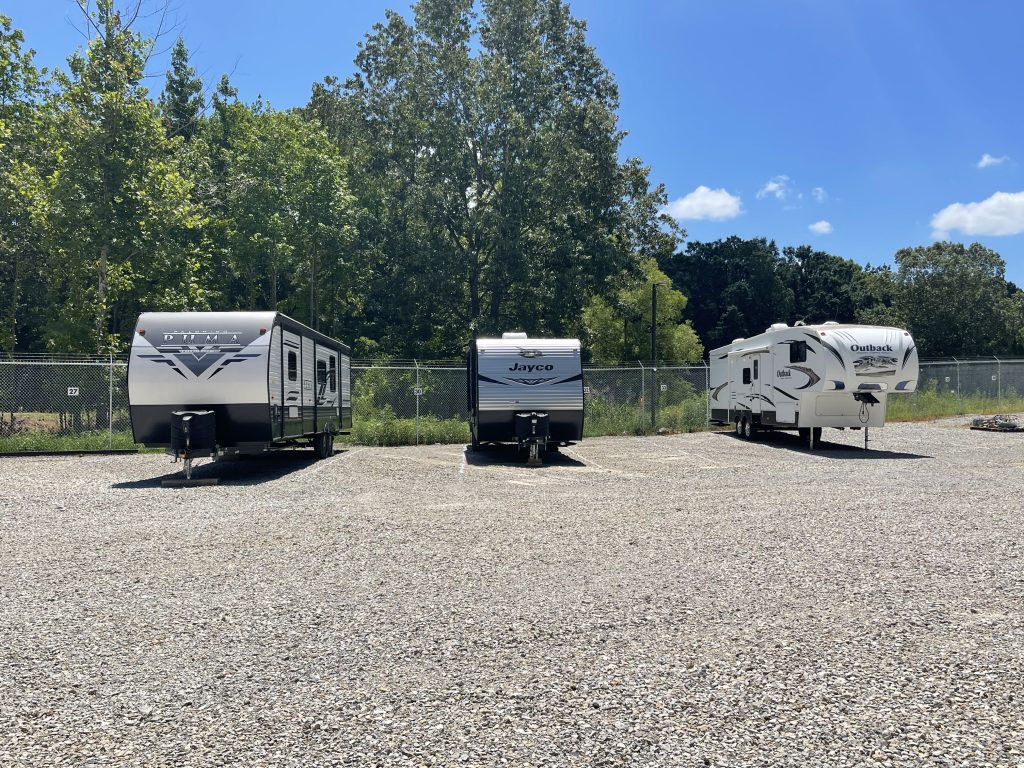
(654, 353)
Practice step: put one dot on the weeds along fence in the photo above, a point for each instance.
(61, 402)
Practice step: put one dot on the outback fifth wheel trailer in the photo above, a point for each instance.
(525, 391)
(218, 383)
(807, 377)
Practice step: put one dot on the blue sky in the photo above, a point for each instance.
(857, 126)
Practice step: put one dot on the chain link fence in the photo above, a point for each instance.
(53, 402)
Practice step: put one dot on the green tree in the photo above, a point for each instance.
(620, 329)
(117, 207)
(488, 171)
(954, 299)
(824, 286)
(181, 102)
(25, 156)
(876, 297)
(288, 216)
(736, 287)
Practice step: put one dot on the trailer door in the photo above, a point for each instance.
(780, 387)
(326, 387)
(761, 396)
(291, 360)
(308, 375)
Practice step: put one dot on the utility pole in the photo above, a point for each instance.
(312, 291)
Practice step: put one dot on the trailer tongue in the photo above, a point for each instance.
(533, 431)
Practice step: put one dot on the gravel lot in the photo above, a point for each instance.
(685, 600)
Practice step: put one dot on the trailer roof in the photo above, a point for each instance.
(515, 345)
(757, 340)
(249, 319)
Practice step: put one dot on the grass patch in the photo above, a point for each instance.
(606, 418)
(384, 428)
(39, 440)
(928, 404)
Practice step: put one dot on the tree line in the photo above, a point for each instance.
(466, 179)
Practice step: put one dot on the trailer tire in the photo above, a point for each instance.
(323, 444)
(739, 426)
(749, 428)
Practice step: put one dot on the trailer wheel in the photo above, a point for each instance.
(749, 428)
(323, 444)
(739, 426)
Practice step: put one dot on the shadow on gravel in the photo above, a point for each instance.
(509, 456)
(791, 442)
(242, 470)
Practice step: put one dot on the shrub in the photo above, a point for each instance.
(96, 440)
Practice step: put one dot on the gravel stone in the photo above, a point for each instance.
(685, 600)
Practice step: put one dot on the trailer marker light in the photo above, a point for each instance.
(262, 331)
(142, 331)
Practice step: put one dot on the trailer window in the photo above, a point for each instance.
(293, 367)
(332, 375)
(755, 369)
(746, 375)
(321, 373)
(798, 352)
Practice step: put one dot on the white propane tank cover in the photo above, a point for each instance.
(737, 341)
(777, 326)
(514, 335)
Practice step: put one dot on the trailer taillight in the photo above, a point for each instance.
(262, 331)
(142, 331)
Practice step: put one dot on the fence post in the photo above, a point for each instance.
(110, 401)
(418, 391)
(654, 397)
(707, 390)
(999, 382)
(643, 386)
(959, 402)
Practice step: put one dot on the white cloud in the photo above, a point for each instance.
(705, 203)
(987, 160)
(819, 194)
(820, 227)
(1001, 214)
(777, 186)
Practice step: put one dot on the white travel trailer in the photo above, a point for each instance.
(525, 391)
(217, 383)
(807, 377)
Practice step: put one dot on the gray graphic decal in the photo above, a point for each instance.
(875, 365)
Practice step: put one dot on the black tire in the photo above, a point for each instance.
(749, 428)
(739, 426)
(323, 445)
